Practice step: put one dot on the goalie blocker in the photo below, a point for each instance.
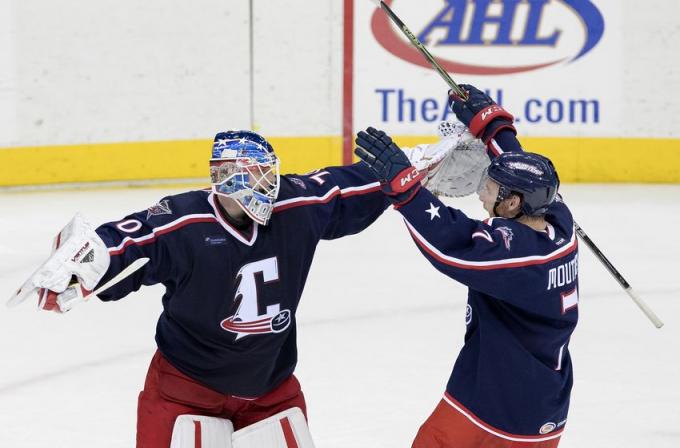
(287, 429)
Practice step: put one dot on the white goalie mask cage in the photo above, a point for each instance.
(244, 168)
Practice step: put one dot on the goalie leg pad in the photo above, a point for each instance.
(287, 429)
(199, 431)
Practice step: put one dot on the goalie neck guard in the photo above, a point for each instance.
(531, 176)
(244, 168)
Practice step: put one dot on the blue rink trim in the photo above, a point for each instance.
(495, 431)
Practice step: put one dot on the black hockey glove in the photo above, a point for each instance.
(399, 180)
(480, 113)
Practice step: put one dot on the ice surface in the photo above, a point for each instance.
(379, 330)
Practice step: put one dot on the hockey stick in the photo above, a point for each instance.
(122, 275)
(420, 47)
(579, 231)
(133, 267)
(619, 278)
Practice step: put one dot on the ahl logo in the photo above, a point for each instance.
(542, 31)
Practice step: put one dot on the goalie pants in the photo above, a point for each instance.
(169, 393)
(447, 427)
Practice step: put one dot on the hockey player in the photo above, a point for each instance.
(511, 383)
(234, 261)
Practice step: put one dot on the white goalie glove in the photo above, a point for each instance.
(78, 262)
(454, 164)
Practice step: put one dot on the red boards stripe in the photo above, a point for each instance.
(288, 433)
(348, 84)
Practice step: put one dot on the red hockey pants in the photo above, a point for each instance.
(448, 427)
(169, 393)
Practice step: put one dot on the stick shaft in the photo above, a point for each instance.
(419, 45)
(581, 233)
(122, 275)
(619, 278)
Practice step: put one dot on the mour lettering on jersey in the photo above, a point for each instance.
(564, 274)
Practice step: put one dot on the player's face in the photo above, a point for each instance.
(488, 192)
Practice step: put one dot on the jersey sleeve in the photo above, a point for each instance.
(341, 200)
(504, 141)
(482, 255)
(134, 237)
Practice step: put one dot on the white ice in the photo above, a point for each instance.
(379, 330)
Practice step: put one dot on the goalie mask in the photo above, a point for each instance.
(528, 175)
(244, 168)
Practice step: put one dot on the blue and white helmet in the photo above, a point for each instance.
(244, 167)
(530, 175)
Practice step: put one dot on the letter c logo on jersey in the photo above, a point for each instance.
(539, 33)
(247, 320)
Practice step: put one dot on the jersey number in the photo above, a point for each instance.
(569, 300)
(318, 177)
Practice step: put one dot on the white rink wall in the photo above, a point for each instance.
(98, 71)
(107, 71)
(77, 76)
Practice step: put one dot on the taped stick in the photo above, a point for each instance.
(581, 233)
(619, 278)
(420, 47)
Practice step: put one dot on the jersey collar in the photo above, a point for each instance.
(233, 231)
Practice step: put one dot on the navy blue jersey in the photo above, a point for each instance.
(513, 374)
(229, 307)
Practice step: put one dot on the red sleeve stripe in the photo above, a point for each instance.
(335, 191)
(158, 231)
(495, 431)
(494, 147)
(491, 264)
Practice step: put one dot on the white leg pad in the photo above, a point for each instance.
(199, 431)
(287, 429)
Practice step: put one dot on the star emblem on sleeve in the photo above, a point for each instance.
(433, 211)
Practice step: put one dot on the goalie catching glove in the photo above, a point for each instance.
(78, 262)
(454, 164)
